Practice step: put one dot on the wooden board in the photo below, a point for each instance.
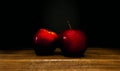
(95, 59)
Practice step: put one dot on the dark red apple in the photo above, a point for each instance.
(73, 42)
(44, 41)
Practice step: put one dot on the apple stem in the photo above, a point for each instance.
(69, 24)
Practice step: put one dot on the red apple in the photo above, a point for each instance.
(44, 41)
(73, 42)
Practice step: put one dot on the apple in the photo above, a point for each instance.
(44, 41)
(72, 42)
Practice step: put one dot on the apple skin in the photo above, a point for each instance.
(45, 42)
(72, 42)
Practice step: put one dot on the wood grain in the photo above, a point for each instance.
(95, 59)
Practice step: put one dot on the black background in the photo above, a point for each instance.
(20, 21)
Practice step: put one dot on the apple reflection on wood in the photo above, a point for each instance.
(72, 42)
